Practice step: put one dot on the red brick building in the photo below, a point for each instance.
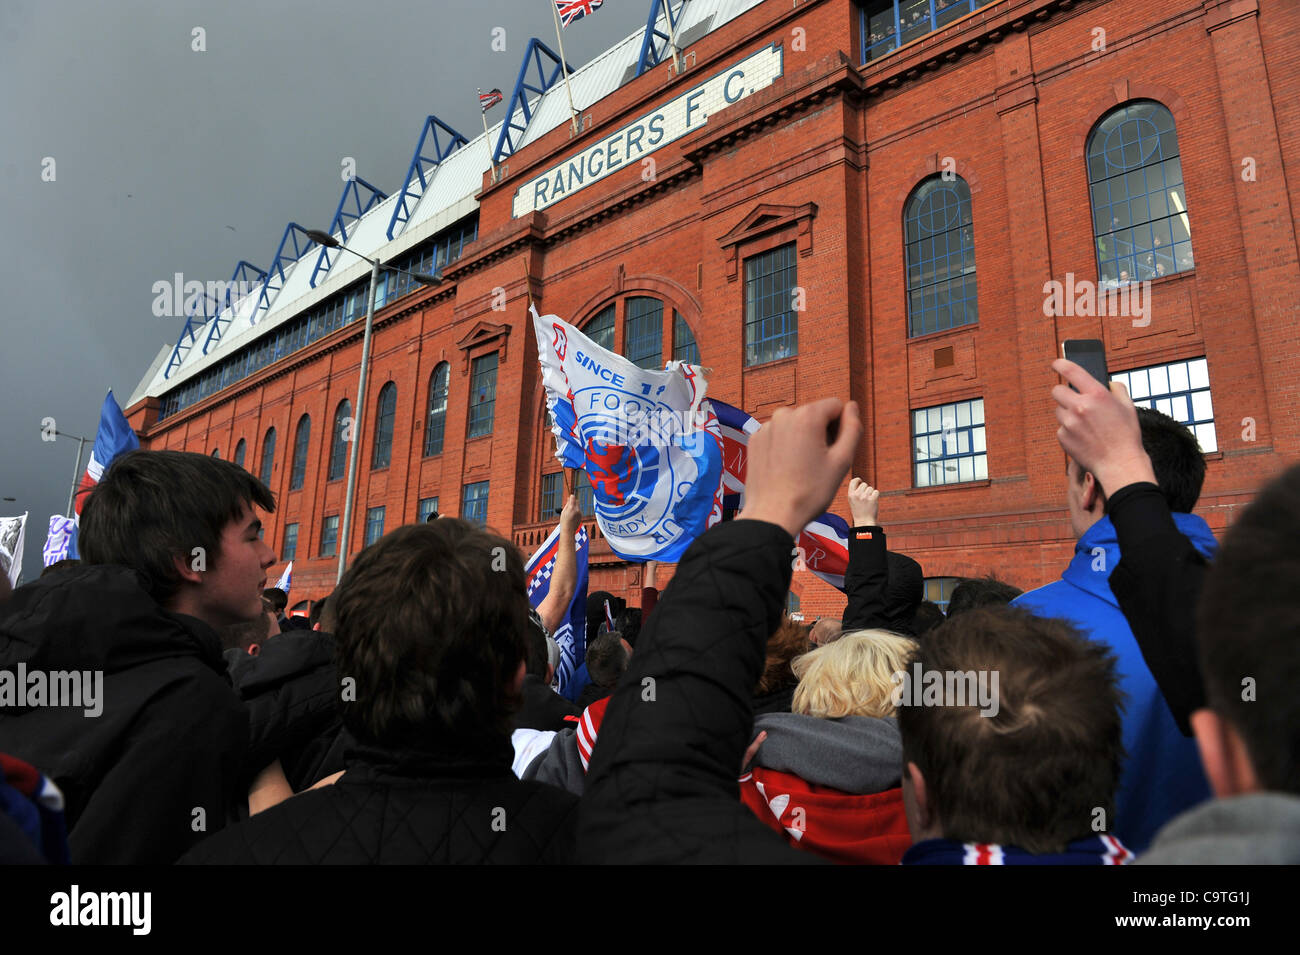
(870, 220)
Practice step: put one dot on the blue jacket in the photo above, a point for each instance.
(1162, 773)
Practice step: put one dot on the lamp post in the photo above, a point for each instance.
(327, 240)
(76, 475)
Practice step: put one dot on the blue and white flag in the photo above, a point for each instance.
(571, 637)
(286, 579)
(648, 440)
(63, 531)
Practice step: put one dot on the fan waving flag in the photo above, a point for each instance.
(571, 637)
(824, 543)
(570, 10)
(489, 99)
(648, 440)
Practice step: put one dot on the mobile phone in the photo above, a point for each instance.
(1089, 354)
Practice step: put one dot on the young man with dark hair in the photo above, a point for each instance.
(1162, 774)
(171, 553)
(1026, 773)
(432, 629)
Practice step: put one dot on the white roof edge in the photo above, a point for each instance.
(142, 389)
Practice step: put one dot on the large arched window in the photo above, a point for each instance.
(643, 332)
(300, 441)
(1139, 207)
(940, 242)
(601, 328)
(339, 441)
(384, 414)
(239, 453)
(437, 424)
(268, 456)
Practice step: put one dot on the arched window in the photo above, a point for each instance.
(437, 424)
(940, 244)
(339, 444)
(384, 414)
(239, 453)
(300, 442)
(216, 453)
(646, 334)
(1139, 207)
(268, 456)
(643, 332)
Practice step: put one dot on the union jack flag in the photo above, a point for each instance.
(489, 99)
(570, 10)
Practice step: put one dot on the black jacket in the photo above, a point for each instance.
(543, 708)
(171, 736)
(663, 780)
(883, 587)
(1158, 583)
(405, 808)
(292, 691)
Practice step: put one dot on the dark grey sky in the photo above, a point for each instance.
(169, 160)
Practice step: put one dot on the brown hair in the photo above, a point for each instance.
(790, 640)
(431, 624)
(1033, 773)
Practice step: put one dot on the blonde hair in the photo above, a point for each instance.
(852, 676)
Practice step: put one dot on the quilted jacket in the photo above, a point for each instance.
(406, 808)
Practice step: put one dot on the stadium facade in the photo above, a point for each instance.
(911, 203)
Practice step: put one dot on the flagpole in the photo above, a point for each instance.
(555, 13)
(672, 35)
(76, 475)
(491, 157)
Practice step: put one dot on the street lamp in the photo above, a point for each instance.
(76, 475)
(424, 278)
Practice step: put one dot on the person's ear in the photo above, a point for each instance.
(185, 568)
(1089, 497)
(1224, 755)
(924, 812)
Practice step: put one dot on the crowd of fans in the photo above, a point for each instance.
(1140, 708)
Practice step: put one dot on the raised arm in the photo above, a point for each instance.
(564, 579)
(1158, 579)
(867, 576)
(662, 784)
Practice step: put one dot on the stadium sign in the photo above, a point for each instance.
(651, 132)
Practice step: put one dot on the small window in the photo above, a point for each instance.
(586, 494)
(386, 411)
(216, 454)
(483, 395)
(939, 590)
(1180, 389)
(239, 453)
(329, 536)
(437, 425)
(342, 435)
(771, 322)
(552, 496)
(268, 456)
(290, 549)
(427, 506)
(474, 503)
(949, 444)
(300, 442)
(374, 524)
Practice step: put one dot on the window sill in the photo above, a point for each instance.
(982, 482)
(773, 363)
(931, 336)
